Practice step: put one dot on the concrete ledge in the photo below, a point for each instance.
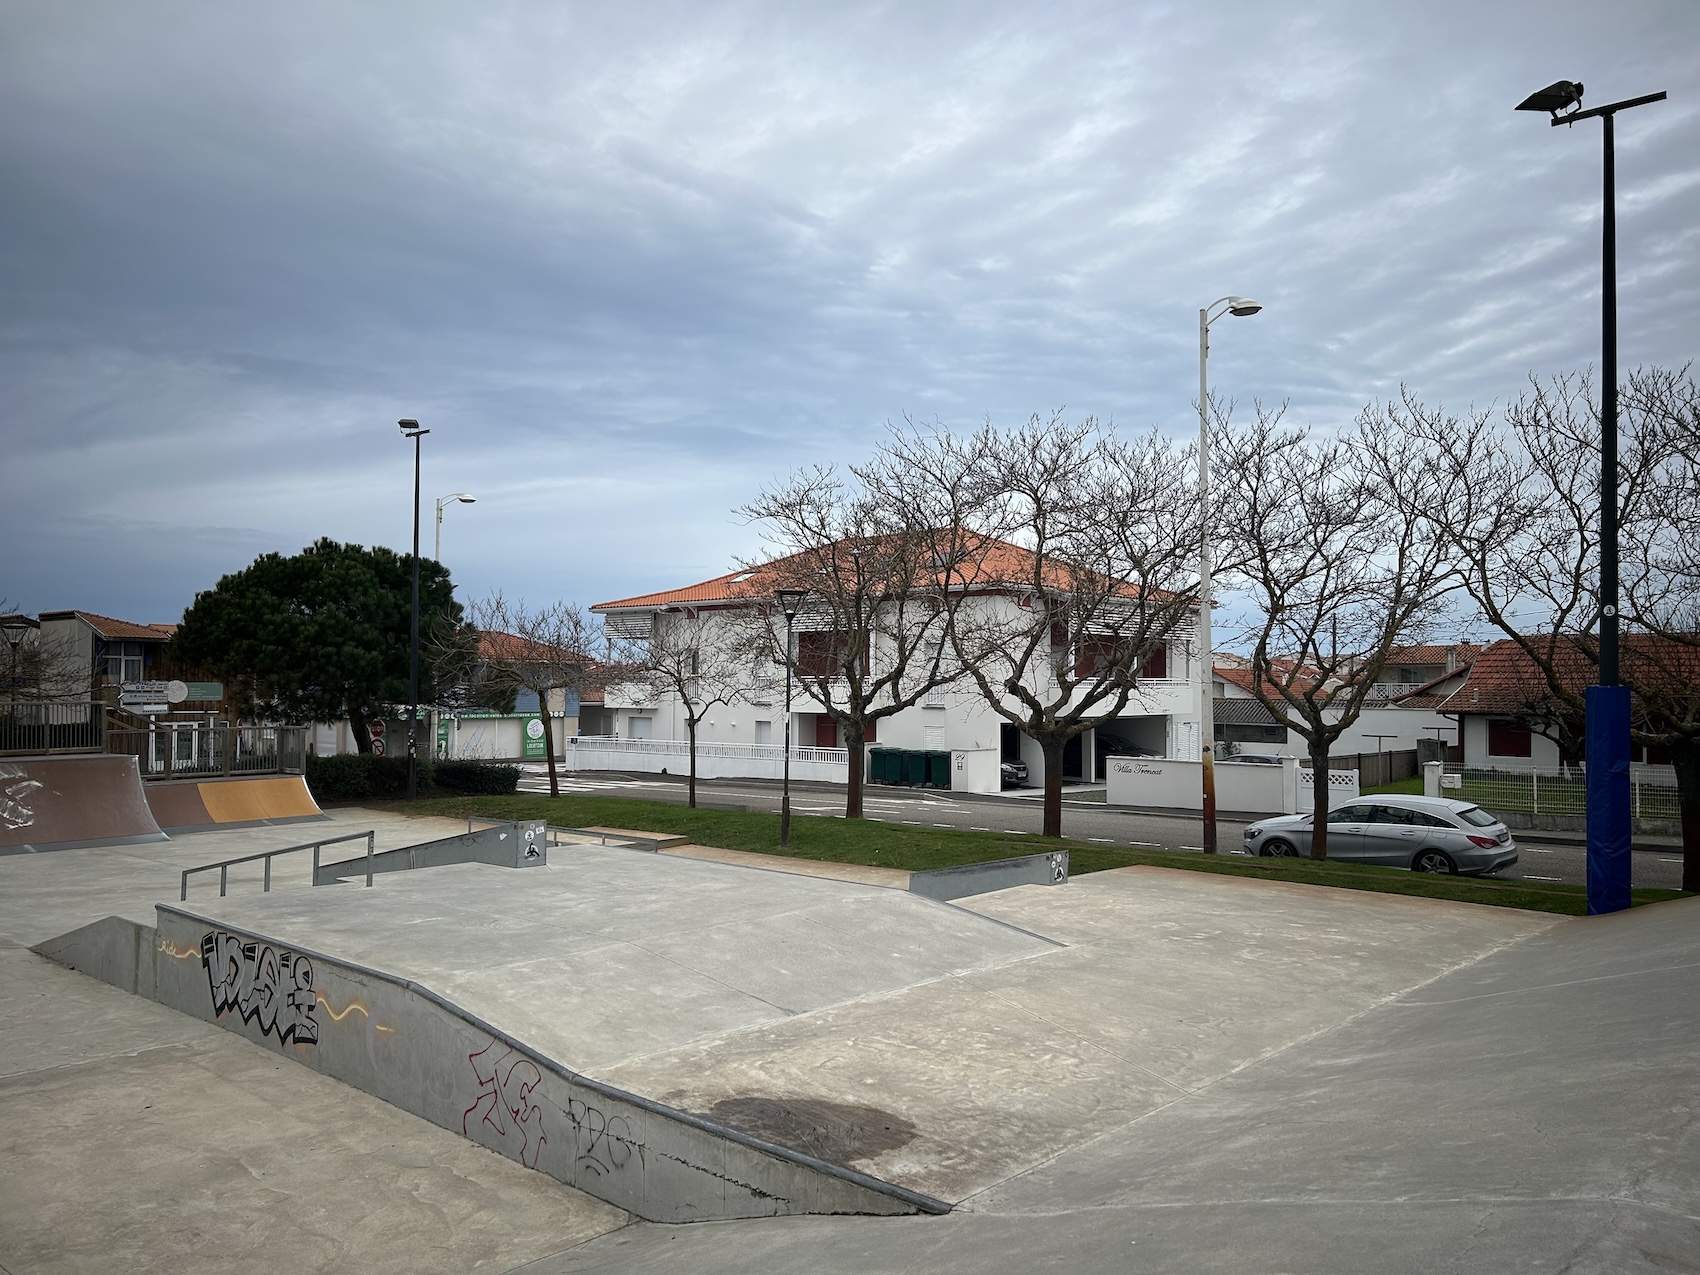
(639, 840)
(944, 884)
(404, 1043)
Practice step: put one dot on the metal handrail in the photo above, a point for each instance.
(225, 866)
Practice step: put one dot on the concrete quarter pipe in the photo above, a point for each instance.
(59, 803)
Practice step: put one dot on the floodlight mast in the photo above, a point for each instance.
(1607, 704)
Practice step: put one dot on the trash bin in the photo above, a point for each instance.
(938, 769)
(914, 766)
(878, 761)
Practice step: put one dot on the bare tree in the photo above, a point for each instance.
(40, 666)
(543, 650)
(1332, 552)
(1080, 566)
(870, 640)
(1521, 513)
(697, 658)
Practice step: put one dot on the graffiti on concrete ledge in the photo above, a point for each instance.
(15, 788)
(604, 1144)
(506, 1081)
(265, 985)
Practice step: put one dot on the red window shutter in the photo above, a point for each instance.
(871, 732)
(1508, 739)
(1157, 665)
(826, 731)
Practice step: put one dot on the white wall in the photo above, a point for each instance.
(976, 770)
(1170, 783)
(1544, 753)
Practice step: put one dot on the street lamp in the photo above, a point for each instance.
(1239, 307)
(463, 498)
(790, 601)
(410, 429)
(16, 628)
(1607, 704)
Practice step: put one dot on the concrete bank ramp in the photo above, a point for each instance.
(406, 1044)
(59, 803)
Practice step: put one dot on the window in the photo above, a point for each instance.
(1477, 816)
(1408, 818)
(764, 732)
(641, 726)
(1508, 739)
(1350, 814)
(123, 661)
(1094, 653)
(825, 654)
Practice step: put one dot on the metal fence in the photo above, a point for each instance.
(1652, 790)
(194, 750)
(30, 727)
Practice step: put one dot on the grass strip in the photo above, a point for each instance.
(913, 849)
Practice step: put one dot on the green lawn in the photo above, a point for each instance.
(920, 849)
(1412, 787)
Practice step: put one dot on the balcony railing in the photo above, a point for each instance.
(682, 748)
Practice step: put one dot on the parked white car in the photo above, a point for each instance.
(1424, 834)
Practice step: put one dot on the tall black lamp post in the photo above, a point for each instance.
(410, 429)
(790, 601)
(1607, 704)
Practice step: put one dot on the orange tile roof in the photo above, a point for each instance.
(110, 628)
(1434, 653)
(1506, 681)
(996, 564)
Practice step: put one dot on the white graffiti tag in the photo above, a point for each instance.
(269, 987)
(15, 788)
(504, 1106)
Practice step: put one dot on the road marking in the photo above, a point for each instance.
(913, 823)
(1103, 841)
(1670, 860)
(1149, 845)
(1531, 877)
(988, 830)
(1015, 832)
(944, 825)
(1532, 850)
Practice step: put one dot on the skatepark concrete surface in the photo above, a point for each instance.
(136, 1139)
(1141, 1070)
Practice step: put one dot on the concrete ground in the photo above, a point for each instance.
(1530, 1111)
(1141, 1070)
(135, 1139)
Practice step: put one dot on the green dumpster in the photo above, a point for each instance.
(938, 769)
(914, 766)
(879, 759)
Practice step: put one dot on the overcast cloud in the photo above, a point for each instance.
(628, 262)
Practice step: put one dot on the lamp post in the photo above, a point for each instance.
(16, 628)
(410, 429)
(790, 600)
(1239, 307)
(1606, 704)
(463, 498)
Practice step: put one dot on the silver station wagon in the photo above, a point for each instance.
(1424, 834)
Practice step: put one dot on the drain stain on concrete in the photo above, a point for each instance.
(837, 1132)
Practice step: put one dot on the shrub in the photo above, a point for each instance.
(341, 777)
(360, 776)
(491, 779)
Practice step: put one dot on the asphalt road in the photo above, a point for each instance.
(1658, 866)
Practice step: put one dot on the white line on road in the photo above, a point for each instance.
(1532, 877)
(1532, 850)
(1105, 841)
(1015, 832)
(1670, 860)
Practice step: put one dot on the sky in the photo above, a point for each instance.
(631, 262)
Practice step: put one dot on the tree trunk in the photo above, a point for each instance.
(855, 736)
(1053, 751)
(1685, 759)
(358, 728)
(691, 730)
(1319, 805)
(549, 747)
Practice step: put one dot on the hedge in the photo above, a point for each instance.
(360, 776)
(483, 778)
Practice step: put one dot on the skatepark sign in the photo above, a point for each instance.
(151, 697)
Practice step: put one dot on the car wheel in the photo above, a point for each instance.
(1280, 850)
(1434, 861)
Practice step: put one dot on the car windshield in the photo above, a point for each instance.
(1477, 816)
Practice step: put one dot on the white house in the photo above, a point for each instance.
(746, 735)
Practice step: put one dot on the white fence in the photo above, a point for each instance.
(1652, 790)
(1172, 783)
(714, 761)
